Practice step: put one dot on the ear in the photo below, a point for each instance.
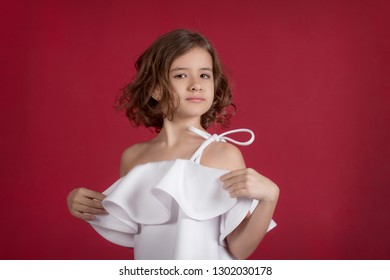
(156, 93)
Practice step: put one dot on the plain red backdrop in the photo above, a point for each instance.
(311, 78)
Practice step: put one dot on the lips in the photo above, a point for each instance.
(195, 99)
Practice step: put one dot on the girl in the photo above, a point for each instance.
(185, 194)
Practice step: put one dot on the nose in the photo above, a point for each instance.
(195, 87)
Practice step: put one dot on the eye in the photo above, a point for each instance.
(205, 76)
(180, 76)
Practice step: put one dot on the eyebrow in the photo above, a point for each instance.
(185, 68)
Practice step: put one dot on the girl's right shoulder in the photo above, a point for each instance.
(130, 157)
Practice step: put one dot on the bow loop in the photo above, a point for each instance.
(219, 138)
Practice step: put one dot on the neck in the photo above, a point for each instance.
(173, 132)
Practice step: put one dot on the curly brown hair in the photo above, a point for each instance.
(153, 72)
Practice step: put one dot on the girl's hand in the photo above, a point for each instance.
(249, 183)
(85, 204)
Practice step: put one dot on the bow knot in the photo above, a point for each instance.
(219, 138)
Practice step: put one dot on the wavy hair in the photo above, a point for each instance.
(153, 72)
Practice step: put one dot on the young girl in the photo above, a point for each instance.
(185, 194)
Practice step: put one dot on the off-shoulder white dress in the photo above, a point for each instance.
(174, 209)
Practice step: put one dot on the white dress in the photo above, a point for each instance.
(174, 209)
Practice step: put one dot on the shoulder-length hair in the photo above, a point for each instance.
(153, 72)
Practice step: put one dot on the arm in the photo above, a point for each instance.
(244, 182)
(249, 183)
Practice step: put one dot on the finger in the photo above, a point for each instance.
(83, 216)
(239, 179)
(90, 203)
(87, 217)
(243, 192)
(92, 194)
(89, 210)
(233, 173)
(87, 205)
(235, 187)
(241, 188)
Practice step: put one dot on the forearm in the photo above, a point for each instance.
(247, 236)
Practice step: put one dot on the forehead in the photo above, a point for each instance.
(194, 58)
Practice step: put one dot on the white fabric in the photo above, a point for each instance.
(219, 138)
(172, 210)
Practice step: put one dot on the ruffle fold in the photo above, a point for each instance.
(145, 195)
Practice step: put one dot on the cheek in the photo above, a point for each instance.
(210, 86)
(210, 101)
(178, 88)
(212, 92)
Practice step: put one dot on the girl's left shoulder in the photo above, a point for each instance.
(223, 155)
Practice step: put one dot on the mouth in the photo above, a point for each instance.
(195, 99)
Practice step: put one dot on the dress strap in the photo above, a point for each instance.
(218, 138)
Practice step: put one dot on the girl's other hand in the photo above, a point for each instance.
(85, 204)
(249, 183)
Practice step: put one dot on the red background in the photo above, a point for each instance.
(311, 78)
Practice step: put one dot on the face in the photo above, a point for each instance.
(191, 78)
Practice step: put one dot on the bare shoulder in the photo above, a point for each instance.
(129, 157)
(223, 155)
